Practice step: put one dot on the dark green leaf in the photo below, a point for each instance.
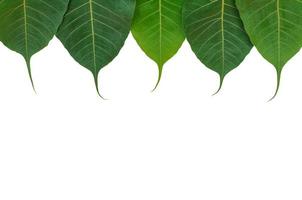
(94, 31)
(216, 34)
(27, 26)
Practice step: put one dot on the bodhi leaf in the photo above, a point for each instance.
(275, 28)
(27, 26)
(216, 34)
(94, 31)
(157, 28)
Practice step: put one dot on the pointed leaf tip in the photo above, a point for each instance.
(30, 75)
(96, 83)
(220, 85)
(160, 72)
(278, 85)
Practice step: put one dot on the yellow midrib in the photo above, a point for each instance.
(160, 31)
(279, 33)
(93, 34)
(25, 30)
(222, 34)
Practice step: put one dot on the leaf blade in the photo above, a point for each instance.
(27, 26)
(157, 28)
(274, 27)
(216, 34)
(94, 31)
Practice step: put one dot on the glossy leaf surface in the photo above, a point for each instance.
(27, 26)
(216, 34)
(158, 29)
(94, 31)
(275, 28)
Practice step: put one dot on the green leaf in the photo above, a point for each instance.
(94, 31)
(27, 26)
(216, 34)
(158, 29)
(275, 28)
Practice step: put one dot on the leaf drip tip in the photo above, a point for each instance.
(160, 72)
(96, 82)
(30, 75)
(278, 85)
(220, 85)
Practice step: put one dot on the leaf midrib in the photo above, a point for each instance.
(279, 33)
(25, 31)
(222, 36)
(160, 32)
(92, 34)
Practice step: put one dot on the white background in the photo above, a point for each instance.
(178, 143)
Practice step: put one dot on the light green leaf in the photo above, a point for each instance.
(27, 26)
(216, 34)
(157, 27)
(94, 31)
(275, 28)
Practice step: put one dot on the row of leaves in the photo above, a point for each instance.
(220, 32)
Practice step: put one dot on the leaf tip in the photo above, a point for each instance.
(278, 85)
(96, 82)
(160, 72)
(220, 85)
(30, 75)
